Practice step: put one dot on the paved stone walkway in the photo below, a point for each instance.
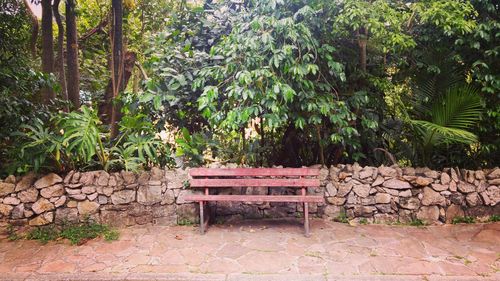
(265, 250)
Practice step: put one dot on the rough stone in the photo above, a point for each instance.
(101, 199)
(336, 200)
(384, 208)
(385, 218)
(5, 209)
(78, 197)
(89, 189)
(382, 198)
(495, 174)
(87, 207)
(368, 201)
(428, 214)
(452, 212)
(66, 215)
(128, 177)
(432, 174)
(59, 202)
(387, 171)
(494, 181)
(25, 182)
(330, 189)
(396, 184)
(344, 189)
(42, 205)
(123, 197)
(332, 211)
(472, 199)
(168, 197)
(71, 191)
(52, 191)
(454, 175)
(445, 178)
(411, 203)
(378, 181)
(149, 195)
(439, 187)
(362, 190)
(103, 178)
(42, 219)
(432, 197)
(28, 196)
(48, 180)
(92, 196)
(405, 193)
(364, 211)
(453, 186)
(365, 173)
(6, 188)
(17, 212)
(421, 181)
(72, 204)
(465, 187)
(11, 201)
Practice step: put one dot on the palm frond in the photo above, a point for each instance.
(459, 108)
(436, 134)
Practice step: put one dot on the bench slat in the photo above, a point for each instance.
(257, 172)
(257, 198)
(254, 182)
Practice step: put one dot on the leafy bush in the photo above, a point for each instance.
(78, 140)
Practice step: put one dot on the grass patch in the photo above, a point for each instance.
(494, 218)
(43, 234)
(465, 219)
(342, 217)
(185, 222)
(76, 233)
(12, 233)
(363, 221)
(417, 222)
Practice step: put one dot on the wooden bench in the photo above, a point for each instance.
(257, 178)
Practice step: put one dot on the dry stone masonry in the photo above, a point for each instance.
(376, 194)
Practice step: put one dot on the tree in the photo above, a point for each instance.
(72, 54)
(47, 49)
(60, 50)
(117, 68)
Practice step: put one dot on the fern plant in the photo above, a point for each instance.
(448, 117)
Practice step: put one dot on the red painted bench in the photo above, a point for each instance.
(255, 177)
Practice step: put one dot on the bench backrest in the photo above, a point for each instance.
(254, 177)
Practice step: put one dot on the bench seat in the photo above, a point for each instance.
(258, 178)
(257, 198)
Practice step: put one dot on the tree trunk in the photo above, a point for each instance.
(362, 42)
(117, 68)
(47, 48)
(106, 106)
(34, 28)
(72, 54)
(60, 51)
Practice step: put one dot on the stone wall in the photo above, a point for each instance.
(377, 194)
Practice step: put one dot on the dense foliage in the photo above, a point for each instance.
(267, 82)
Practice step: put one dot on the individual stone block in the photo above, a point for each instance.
(48, 180)
(28, 196)
(123, 197)
(42, 205)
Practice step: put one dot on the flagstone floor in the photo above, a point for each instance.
(265, 250)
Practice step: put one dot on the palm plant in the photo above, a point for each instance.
(449, 117)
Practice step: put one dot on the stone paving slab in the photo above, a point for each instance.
(273, 250)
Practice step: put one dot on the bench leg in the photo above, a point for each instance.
(202, 219)
(306, 219)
